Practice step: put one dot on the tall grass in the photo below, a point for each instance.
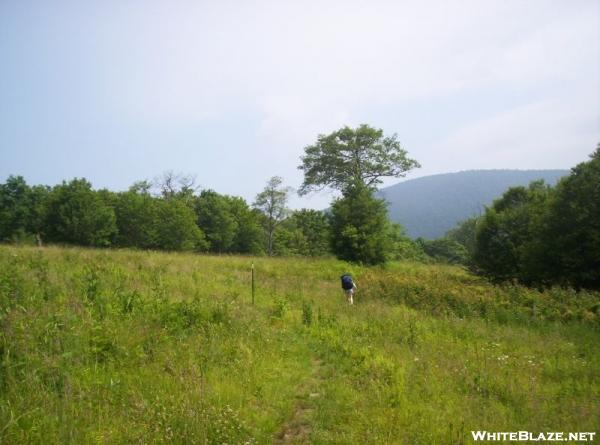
(118, 346)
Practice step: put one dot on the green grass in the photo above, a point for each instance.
(118, 346)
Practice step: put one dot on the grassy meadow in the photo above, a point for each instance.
(121, 346)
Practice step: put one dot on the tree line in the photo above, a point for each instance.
(171, 214)
(537, 235)
(167, 215)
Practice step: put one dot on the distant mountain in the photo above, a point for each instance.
(431, 205)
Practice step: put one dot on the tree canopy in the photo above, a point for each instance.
(545, 236)
(569, 235)
(352, 156)
(76, 214)
(21, 208)
(354, 161)
(215, 216)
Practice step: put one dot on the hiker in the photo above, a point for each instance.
(349, 287)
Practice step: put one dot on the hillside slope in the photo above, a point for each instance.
(430, 206)
(122, 347)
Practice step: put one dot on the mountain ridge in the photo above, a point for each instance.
(431, 205)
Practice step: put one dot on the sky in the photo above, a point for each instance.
(232, 91)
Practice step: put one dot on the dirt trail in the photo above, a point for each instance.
(297, 428)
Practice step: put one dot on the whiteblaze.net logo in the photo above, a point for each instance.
(527, 436)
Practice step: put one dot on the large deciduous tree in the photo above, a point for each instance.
(22, 209)
(14, 206)
(176, 226)
(351, 157)
(249, 235)
(216, 220)
(354, 161)
(76, 214)
(136, 212)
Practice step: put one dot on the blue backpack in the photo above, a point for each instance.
(347, 283)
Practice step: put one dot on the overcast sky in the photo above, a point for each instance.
(117, 91)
